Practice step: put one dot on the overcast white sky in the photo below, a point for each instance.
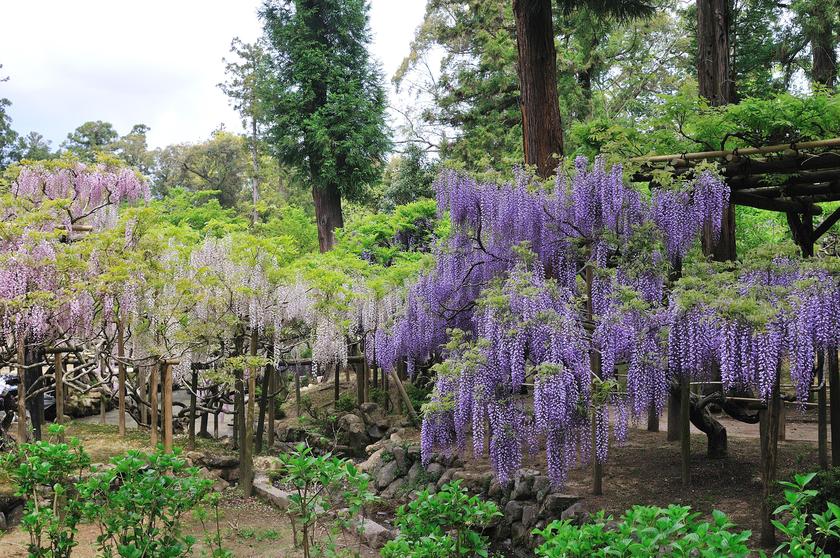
(155, 62)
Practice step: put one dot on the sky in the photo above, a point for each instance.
(156, 62)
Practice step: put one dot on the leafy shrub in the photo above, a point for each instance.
(442, 525)
(807, 533)
(346, 403)
(644, 531)
(43, 473)
(139, 504)
(318, 482)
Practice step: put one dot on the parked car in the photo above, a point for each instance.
(9, 384)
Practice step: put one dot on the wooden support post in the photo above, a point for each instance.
(653, 419)
(834, 404)
(597, 467)
(822, 414)
(193, 405)
(121, 375)
(297, 391)
(769, 453)
(337, 383)
(153, 402)
(246, 466)
(103, 406)
(673, 418)
(143, 391)
(366, 380)
(685, 429)
(21, 410)
(59, 392)
(401, 388)
(782, 421)
(272, 407)
(360, 383)
(167, 406)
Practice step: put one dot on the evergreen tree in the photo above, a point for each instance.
(324, 100)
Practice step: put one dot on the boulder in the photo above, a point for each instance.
(519, 533)
(267, 463)
(523, 484)
(555, 504)
(270, 493)
(474, 482)
(217, 461)
(513, 511)
(372, 464)
(352, 433)
(529, 515)
(393, 489)
(414, 473)
(434, 471)
(399, 457)
(576, 513)
(374, 534)
(387, 474)
(445, 478)
(541, 487)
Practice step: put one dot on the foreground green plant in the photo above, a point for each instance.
(801, 525)
(44, 474)
(442, 525)
(645, 531)
(318, 482)
(140, 502)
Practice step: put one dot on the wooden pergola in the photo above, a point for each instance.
(788, 178)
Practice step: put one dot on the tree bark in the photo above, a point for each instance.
(327, 214)
(823, 46)
(542, 133)
(715, 83)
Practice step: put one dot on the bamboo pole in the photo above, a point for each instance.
(776, 148)
(167, 405)
(153, 402)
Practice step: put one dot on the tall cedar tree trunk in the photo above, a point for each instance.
(823, 48)
(542, 133)
(714, 78)
(327, 197)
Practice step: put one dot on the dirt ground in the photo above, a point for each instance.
(250, 529)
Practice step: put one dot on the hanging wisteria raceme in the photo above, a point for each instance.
(527, 326)
(42, 278)
(782, 313)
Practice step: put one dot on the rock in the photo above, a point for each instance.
(529, 515)
(523, 484)
(206, 473)
(221, 485)
(374, 534)
(399, 457)
(387, 474)
(518, 532)
(445, 478)
(267, 463)
(513, 511)
(414, 473)
(474, 482)
(3, 525)
(541, 487)
(393, 489)
(576, 513)
(431, 488)
(556, 503)
(352, 432)
(14, 516)
(218, 461)
(375, 432)
(371, 464)
(231, 475)
(270, 493)
(397, 437)
(368, 408)
(434, 471)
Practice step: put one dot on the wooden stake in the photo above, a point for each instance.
(822, 419)
(246, 467)
(272, 406)
(59, 391)
(121, 375)
(103, 408)
(21, 355)
(153, 402)
(834, 394)
(653, 419)
(685, 430)
(673, 418)
(142, 388)
(297, 391)
(769, 453)
(193, 404)
(167, 406)
(401, 388)
(337, 383)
